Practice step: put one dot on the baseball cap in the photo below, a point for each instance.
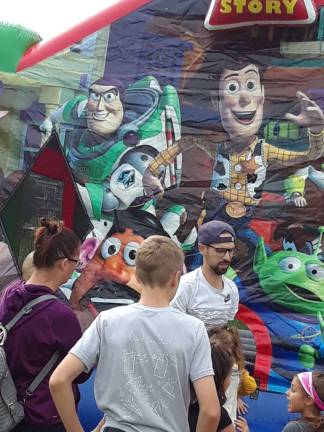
(210, 233)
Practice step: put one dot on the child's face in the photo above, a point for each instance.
(296, 396)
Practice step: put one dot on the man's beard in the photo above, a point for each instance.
(220, 268)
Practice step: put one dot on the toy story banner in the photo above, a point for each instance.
(156, 125)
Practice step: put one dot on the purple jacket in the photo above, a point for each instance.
(50, 327)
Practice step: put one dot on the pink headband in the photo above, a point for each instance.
(306, 380)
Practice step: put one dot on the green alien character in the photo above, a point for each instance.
(294, 285)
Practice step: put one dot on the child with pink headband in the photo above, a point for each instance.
(306, 396)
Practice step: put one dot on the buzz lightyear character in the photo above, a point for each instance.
(118, 134)
(295, 184)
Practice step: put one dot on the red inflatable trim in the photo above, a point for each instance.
(263, 344)
(113, 13)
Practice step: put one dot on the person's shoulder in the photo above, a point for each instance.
(59, 309)
(118, 312)
(298, 426)
(230, 283)
(188, 321)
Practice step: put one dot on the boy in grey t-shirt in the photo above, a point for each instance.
(146, 355)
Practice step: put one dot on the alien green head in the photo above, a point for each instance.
(292, 279)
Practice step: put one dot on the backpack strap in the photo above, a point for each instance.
(41, 375)
(27, 309)
(46, 369)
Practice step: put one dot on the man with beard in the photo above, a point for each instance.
(205, 292)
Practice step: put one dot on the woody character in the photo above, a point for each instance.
(240, 161)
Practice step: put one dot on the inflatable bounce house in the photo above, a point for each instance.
(156, 116)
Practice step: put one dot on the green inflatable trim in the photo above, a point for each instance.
(14, 42)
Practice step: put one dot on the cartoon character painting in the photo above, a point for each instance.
(292, 309)
(241, 161)
(117, 133)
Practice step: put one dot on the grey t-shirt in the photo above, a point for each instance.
(145, 358)
(298, 426)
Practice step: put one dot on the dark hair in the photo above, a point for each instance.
(53, 241)
(229, 338)
(111, 82)
(222, 364)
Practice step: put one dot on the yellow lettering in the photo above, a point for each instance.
(226, 6)
(255, 6)
(239, 5)
(290, 5)
(273, 6)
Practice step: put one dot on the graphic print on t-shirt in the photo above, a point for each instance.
(156, 395)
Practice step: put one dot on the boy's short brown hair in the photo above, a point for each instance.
(157, 259)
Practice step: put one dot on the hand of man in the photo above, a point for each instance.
(311, 115)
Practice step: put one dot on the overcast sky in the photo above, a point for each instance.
(50, 18)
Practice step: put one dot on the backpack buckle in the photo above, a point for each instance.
(3, 334)
(27, 309)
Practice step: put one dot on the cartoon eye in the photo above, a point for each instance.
(110, 247)
(315, 272)
(232, 87)
(110, 97)
(290, 264)
(289, 246)
(130, 253)
(94, 96)
(251, 85)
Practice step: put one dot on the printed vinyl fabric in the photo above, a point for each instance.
(159, 126)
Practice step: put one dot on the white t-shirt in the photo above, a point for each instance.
(195, 296)
(145, 358)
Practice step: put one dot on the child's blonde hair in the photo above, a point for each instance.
(157, 259)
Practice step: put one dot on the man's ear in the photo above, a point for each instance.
(214, 96)
(175, 279)
(201, 248)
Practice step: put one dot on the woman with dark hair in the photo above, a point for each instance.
(50, 327)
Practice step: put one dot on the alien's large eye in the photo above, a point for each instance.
(290, 264)
(289, 246)
(251, 85)
(315, 272)
(110, 247)
(232, 87)
(130, 253)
